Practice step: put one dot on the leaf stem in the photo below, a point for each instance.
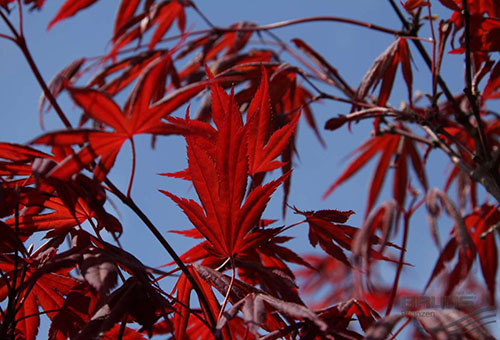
(132, 172)
(5, 36)
(201, 14)
(231, 283)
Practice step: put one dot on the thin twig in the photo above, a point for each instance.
(5, 36)
(396, 131)
(399, 14)
(201, 14)
(457, 142)
(9, 25)
(454, 157)
(491, 229)
(293, 22)
(132, 171)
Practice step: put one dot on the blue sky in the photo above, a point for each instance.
(349, 49)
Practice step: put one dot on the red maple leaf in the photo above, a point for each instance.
(138, 118)
(219, 168)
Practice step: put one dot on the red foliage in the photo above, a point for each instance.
(243, 280)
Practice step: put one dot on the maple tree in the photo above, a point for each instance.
(243, 280)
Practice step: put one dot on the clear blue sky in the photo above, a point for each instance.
(349, 49)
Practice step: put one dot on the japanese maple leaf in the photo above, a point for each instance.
(138, 118)
(219, 167)
(326, 228)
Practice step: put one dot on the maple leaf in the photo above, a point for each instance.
(80, 302)
(181, 320)
(138, 119)
(20, 161)
(380, 219)
(127, 70)
(219, 171)
(326, 228)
